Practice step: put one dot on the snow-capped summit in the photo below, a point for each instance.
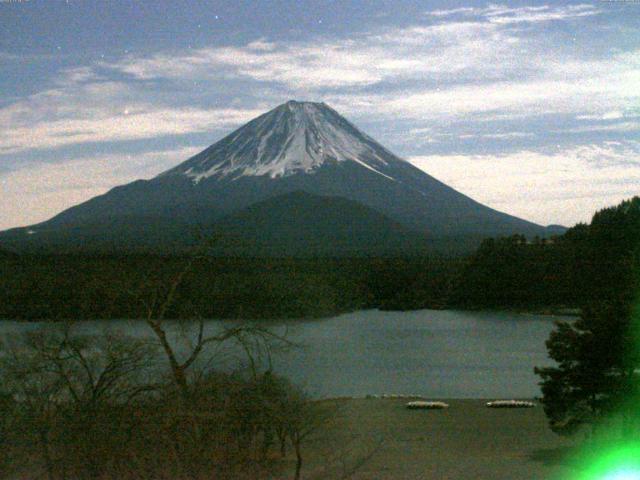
(295, 137)
(292, 177)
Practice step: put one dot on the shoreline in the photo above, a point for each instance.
(542, 311)
(392, 396)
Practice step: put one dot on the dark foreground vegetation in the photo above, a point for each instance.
(512, 272)
(597, 373)
(77, 407)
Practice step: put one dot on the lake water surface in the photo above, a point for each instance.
(437, 354)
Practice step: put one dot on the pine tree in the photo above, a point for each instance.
(598, 356)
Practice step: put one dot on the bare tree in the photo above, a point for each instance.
(189, 355)
(70, 390)
(36, 390)
(252, 338)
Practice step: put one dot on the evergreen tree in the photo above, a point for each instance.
(598, 356)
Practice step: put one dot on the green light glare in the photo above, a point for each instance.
(618, 463)
(613, 455)
(623, 475)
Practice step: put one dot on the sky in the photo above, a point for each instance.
(532, 108)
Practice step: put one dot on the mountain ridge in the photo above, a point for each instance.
(297, 146)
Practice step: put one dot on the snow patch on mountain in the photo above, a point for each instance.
(296, 137)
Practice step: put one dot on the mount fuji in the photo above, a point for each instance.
(297, 179)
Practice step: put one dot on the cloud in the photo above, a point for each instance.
(83, 108)
(480, 64)
(45, 190)
(485, 43)
(498, 136)
(327, 65)
(135, 121)
(399, 53)
(611, 127)
(452, 11)
(503, 14)
(422, 136)
(77, 75)
(562, 186)
(557, 88)
(613, 115)
(451, 69)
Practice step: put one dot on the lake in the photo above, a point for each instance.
(433, 353)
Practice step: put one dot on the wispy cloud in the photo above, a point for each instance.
(633, 126)
(44, 190)
(503, 14)
(452, 11)
(613, 115)
(487, 43)
(608, 84)
(83, 108)
(481, 64)
(537, 185)
(134, 122)
(498, 136)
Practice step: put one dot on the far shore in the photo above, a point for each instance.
(547, 311)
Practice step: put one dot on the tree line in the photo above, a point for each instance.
(57, 287)
(511, 272)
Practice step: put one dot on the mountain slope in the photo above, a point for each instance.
(298, 146)
(305, 225)
(296, 224)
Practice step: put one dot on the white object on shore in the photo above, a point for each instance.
(510, 404)
(423, 405)
(386, 396)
